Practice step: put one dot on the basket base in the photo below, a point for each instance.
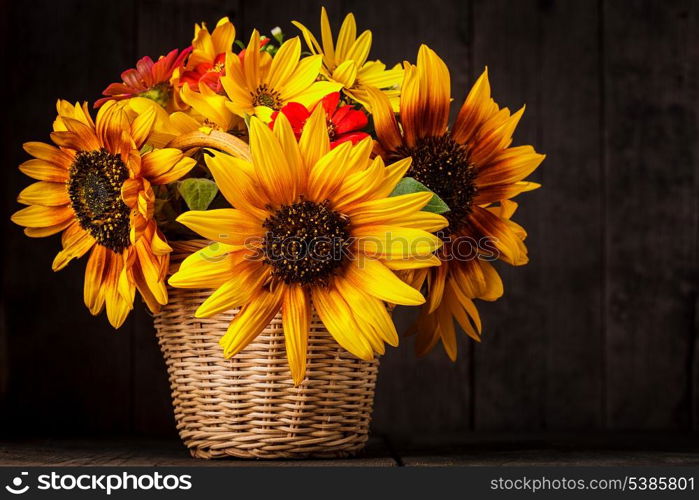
(237, 453)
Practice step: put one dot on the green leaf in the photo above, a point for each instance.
(409, 185)
(197, 193)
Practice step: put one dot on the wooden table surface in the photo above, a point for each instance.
(381, 451)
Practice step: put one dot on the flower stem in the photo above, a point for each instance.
(216, 139)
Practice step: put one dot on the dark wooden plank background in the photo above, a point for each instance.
(600, 331)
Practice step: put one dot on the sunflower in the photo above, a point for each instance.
(346, 62)
(209, 50)
(95, 187)
(258, 84)
(473, 168)
(148, 79)
(311, 226)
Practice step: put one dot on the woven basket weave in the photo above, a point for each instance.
(248, 406)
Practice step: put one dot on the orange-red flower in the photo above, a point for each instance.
(206, 64)
(148, 79)
(209, 73)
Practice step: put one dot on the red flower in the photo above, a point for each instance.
(205, 72)
(148, 79)
(210, 73)
(344, 122)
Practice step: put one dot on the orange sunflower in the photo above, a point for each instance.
(474, 169)
(94, 185)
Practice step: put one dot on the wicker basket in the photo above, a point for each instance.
(248, 406)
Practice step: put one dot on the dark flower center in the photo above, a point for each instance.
(442, 164)
(306, 242)
(265, 96)
(94, 187)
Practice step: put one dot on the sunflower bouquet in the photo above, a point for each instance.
(325, 186)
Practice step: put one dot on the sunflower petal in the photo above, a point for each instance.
(225, 225)
(310, 40)
(314, 142)
(325, 176)
(359, 51)
(510, 247)
(296, 320)
(477, 108)
(303, 77)
(239, 288)
(455, 295)
(395, 242)
(93, 290)
(346, 73)
(209, 267)
(290, 147)
(327, 38)
(393, 173)
(407, 264)
(235, 181)
(48, 194)
(338, 318)
(381, 210)
(41, 232)
(76, 243)
(346, 37)
(151, 272)
(377, 280)
(163, 166)
(435, 286)
(250, 321)
(447, 332)
(117, 307)
(38, 216)
(141, 127)
(371, 309)
(284, 63)
(43, 170)
(271, 167)
(315, 92)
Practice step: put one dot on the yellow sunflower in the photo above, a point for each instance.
(259, 84)
(346, 62)
(312, 227)
(96, 188)
(471, 167)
